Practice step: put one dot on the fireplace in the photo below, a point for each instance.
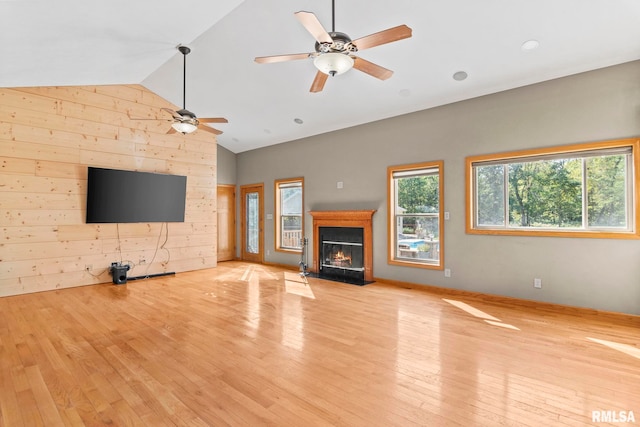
(343, 245)
(341, 253)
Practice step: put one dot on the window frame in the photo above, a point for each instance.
(392, 219)
(536, 154)
(278, 183)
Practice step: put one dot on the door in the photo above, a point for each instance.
(226, 205)
(252, 222)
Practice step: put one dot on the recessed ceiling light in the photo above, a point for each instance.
(530, 45)
(298, 120)
(460, 76)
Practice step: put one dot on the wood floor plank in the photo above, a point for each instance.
(45, 404)
(29, 411)
(230, 346)
(10, 413)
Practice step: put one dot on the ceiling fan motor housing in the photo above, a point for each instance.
(188, 117)
(186, 113)
(341, 43)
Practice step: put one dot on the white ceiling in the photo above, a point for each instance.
(79, 42)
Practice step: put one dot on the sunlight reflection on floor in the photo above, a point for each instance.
(246, 276)
(296, 284)
(471, 310)
(502, 325)
(491, 320)
(625, 348)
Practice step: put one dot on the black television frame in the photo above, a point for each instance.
(124, 196)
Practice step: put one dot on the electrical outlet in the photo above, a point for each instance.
(447, 272)
(88, 267)
(537, 283)
(268, 252)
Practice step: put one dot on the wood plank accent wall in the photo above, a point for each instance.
(48, 138)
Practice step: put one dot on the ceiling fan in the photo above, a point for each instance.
(335, 52)
(184, 121)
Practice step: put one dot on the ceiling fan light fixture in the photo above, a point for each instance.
(333, 63)
(184, 127)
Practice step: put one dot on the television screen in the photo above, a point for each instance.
(119, 196)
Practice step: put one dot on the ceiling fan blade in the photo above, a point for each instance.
(171, 130)
(318, 82)
(210, 129)
(173, 113)
(371, 68)
(311, 23)
(213, 120)
(387, 36)
(281, 58)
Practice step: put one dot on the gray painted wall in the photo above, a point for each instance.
(598, 105)
(226, 167)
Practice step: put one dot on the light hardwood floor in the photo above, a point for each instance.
(249, 345)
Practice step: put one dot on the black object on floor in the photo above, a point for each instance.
(349, 280)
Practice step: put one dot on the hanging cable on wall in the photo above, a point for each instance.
(164, 226)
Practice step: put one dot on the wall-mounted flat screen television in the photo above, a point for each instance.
(120, 196)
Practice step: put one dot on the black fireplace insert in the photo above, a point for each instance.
(341, 252)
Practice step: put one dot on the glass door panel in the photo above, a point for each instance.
(252, 222)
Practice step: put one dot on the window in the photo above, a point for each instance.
(415, 197)
(289, 219)
(583, 190)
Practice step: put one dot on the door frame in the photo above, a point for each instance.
(244, 190)
(230, 191)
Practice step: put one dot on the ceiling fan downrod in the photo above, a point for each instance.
(185, 51)
(333, 16)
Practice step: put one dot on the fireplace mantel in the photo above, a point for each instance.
(346, 218)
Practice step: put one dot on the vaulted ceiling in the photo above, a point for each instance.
(77, 42)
